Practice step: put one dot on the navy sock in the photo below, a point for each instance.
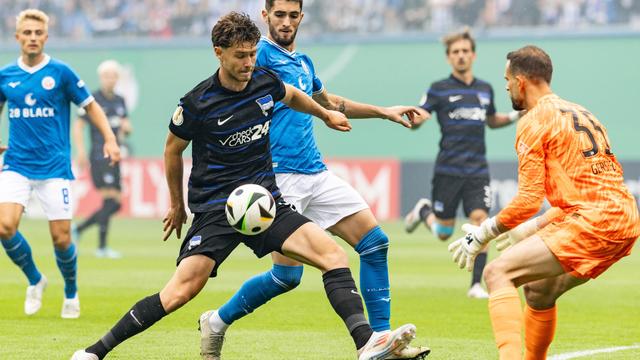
(19, 252)
(67, 261)
(346, 302)
(109, 207)
(260, 289)
(478, 268)
(374, 277)
(142, 315)
(103, 230)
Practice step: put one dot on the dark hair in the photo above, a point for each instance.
(532, 62)
(234, 28)
(268, 4)
(464, 34)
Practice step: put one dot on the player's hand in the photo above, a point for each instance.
(422, 116)
(111, 150)
(176, 216)
(397, 114)
(517, 234)
(468, 247)
(504, 241)
(2, 148)
(337, 121)
(465, 250)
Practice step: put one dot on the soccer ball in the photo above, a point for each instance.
(250, 209)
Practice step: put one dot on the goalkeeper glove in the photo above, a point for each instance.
(468, 247)
(517, 234)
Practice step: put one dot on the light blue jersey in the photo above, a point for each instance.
(293, 146)
(38, 101)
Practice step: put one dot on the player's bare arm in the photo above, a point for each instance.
(299, 101)
(356, 110)
(176, 215)
(499, 120)
(78, 140)
(99, 119)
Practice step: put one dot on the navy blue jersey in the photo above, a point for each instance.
(116, 110)
(462, 111)
(229, 132)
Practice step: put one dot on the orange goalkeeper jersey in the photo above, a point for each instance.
(564, 154)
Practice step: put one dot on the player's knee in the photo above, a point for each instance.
(7, 231)
(373, 246)
(539, 297)
(288, 277)
(477, 217)
(334, 258)
(443, 232)
(494, 273)
(177, 298)
(61, 239)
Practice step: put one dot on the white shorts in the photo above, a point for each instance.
(324, 198)
(54, 195)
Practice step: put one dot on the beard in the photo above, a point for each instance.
(517, 104)
(279, 39)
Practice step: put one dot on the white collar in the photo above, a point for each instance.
(291, 53)
(34, 69)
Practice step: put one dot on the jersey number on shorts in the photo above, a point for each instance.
(65, 196)
(580, 128)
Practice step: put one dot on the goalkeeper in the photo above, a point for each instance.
(564, 154)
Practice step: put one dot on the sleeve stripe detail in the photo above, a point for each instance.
(88, 101)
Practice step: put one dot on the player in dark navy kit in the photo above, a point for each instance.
(106, 178)
(226, 119)
(464, 105)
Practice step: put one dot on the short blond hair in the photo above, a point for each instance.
(109, 65)
(32, 14)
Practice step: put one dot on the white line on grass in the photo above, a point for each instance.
(584, 353)
(339, 64)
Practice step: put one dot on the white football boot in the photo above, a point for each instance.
(381, 345)
(411, 353)
(71, 308)
(210, 341)
(477, 292)
(83, 355)
(412, 219)
(33, 300)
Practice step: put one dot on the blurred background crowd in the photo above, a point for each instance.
(86, 19)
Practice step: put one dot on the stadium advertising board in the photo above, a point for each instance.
(389, 186)
(145, 193)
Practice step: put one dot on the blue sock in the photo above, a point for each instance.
(260, 289)
(19, 252)
(67, 261)
(374, 278)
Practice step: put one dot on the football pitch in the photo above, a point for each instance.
(427, 290)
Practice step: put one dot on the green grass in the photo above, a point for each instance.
(427, 289)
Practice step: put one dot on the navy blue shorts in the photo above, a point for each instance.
(211, 235)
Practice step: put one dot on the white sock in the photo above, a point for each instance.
(217, 324)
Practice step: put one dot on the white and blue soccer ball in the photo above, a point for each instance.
(250, 209)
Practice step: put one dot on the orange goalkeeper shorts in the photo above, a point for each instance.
(581, 252)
